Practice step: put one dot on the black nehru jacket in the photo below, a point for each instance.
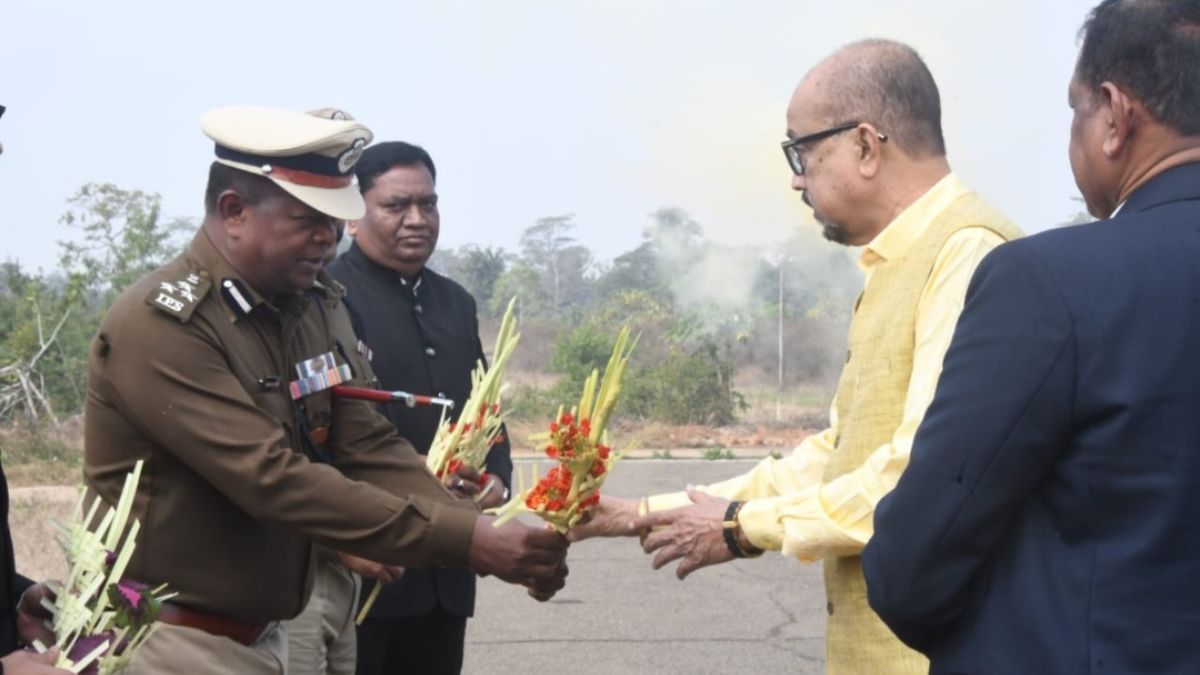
(423, 342)
(12, 585)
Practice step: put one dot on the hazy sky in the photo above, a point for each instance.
(607, 110)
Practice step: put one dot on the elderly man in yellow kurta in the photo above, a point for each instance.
(866, 149)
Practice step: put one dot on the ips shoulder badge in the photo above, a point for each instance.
(179, 298)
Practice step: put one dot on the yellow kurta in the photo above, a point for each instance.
(818, 503)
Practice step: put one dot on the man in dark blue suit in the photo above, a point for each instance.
(1044, 524)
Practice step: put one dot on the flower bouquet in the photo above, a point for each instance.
(577, 441)
(100, 619)
(478, 428)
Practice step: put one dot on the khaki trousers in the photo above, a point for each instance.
(321, 639)
(175, 650)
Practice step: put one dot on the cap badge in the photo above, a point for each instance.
(347, 159)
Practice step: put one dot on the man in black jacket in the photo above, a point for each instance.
(424, 334)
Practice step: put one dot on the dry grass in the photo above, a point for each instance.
(31, 511)
(43, 454)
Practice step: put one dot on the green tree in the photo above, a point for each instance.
(49, 321)
(123, 236)
(38, 319)
(563, 266)
(480, 268)
(523, 281)
(668, 248)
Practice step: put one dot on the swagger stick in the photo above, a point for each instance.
(362, 613)
(381, 396)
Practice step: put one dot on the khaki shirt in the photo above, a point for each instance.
(190, 372)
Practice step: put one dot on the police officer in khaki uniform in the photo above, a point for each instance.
(215, 370)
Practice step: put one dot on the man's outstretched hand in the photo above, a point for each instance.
(612, 517)
(692, 534)
(518, 554)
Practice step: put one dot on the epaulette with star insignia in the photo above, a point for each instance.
(179, 298)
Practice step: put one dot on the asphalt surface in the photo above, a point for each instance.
(617, 615)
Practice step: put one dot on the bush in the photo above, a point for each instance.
(686, 388)
(531, 403)
(578, 352)
(677, 386)
(717, 453)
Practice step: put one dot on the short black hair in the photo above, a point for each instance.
(252, 188)
(1151, 50)
(887, 84)
(380, 158)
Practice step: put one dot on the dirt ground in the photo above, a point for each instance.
(31, 512)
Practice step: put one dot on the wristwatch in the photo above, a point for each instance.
(730, 529)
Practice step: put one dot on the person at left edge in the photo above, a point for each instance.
(202, 369)
(20, 598)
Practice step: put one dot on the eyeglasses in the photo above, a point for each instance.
(791, 148)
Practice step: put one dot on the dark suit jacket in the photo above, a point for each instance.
(12, 585)
(1046, 522)
(423, 344)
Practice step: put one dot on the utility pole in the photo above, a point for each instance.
(779, 393)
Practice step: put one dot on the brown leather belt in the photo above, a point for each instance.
(239, 631)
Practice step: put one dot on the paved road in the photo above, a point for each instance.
(617, 615)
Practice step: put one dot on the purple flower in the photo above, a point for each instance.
(133, 603)
(86, 645)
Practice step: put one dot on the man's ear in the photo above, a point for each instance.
(232, 209)
(1120, 114)
(870, 149)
